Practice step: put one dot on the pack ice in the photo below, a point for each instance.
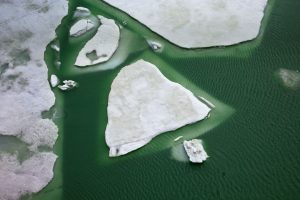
(26, 29)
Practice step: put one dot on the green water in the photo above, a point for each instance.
(252, 138)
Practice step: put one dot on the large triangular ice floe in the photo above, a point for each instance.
(143, 103)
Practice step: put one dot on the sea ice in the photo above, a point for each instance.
(143, 104)
(194, 23)
(18, 178)
(68, 85)
(81, 27)
(26, 29)
(54, 80)
(195, 150)
(102, 46)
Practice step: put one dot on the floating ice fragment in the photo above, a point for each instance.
(194, 23)
(143, 104)
(68, 85)
(55, 47)
(207, 102)
(102, 46)
(156, 46)
(178, 138)
(81, 12)
(54, 80)
(80, 27)
(195, 150)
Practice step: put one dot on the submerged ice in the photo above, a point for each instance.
(143, 103)
(194, 24)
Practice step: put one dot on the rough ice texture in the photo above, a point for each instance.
(68, 85)
(143, 104)
(81, 27)
(29, 176)
(289, 78)
(198, 23)
(195, 150)
(26, 28)
(102, 46)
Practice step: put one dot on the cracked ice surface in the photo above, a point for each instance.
(102, 46)
(198, 23)
(26, 29)
(143, 104)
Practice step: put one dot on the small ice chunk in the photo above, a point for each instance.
(156, 46)
(143, 103)
(195, 150)
(102, 46)
(54, 81)
(178, 138)
(80, 27)
(81, 12)
(55, 47)
(83, 9)
(68, 85)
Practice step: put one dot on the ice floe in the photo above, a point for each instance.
(68, 85)
(102, 46)
(194, 23)
(80, 27)
(195, 150)
(289, 78)
(54, 81)
(26, 29)
(143, 104)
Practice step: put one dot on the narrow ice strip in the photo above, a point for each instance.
(207, 102)
(178, 138)
(194, 23)
(102, 46)
(143, 104)
(195, 150)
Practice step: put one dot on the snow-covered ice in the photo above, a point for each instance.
(195, 150)
(198, 23)
(102, 46)
(54, 81)
(80, 27)
(68, 85)
(26, 29)
(143, 103)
